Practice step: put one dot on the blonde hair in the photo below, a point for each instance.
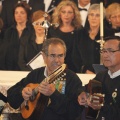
(39, 14)
(77, 18)
(112, 9)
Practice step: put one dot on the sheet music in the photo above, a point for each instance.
(117, 34)
(36, 62)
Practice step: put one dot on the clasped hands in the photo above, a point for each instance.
(44, 87)
(85, 100)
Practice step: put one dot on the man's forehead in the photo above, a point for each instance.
(112, 42)
(56, 47)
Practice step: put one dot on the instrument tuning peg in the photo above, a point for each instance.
(103, 95)
(102, 104)
(64, 73)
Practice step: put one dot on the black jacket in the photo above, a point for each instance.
(89, 49)
(63, 106)
(28, 51)
(111, 108)
(13, 41)
(73, 57)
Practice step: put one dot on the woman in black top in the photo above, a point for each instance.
(88, 45)
(113, 17)
(68, 17)
(34, 44)
(18, 32)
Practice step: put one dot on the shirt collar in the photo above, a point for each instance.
(27, 1)
(45, 72)
(87, 6)
(114, 75)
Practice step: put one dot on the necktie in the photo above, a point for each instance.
(84, 9)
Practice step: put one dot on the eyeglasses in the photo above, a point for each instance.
(108, 51)
(69, 12)
(53, 56)
(38, 23)
(96, 15)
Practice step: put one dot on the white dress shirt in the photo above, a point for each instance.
(84, 13)
(47, 4)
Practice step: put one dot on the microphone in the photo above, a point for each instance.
(47, 24)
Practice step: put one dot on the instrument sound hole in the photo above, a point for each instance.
(27, 107)
(34, 94)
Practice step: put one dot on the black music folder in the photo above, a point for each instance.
(98, 68)
(36, 62)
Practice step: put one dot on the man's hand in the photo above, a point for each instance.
(26, 93)
(46, 88)
(94, 106)
(85, 100)
(82, 99)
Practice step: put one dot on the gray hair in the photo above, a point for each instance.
(96, 7)
(54, 41)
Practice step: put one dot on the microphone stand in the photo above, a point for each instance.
(101, 42)
(46, 24)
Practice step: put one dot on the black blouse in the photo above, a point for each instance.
(70, 39)
(12, 38)
(28, 51)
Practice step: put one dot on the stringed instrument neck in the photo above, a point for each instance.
(55, 74)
